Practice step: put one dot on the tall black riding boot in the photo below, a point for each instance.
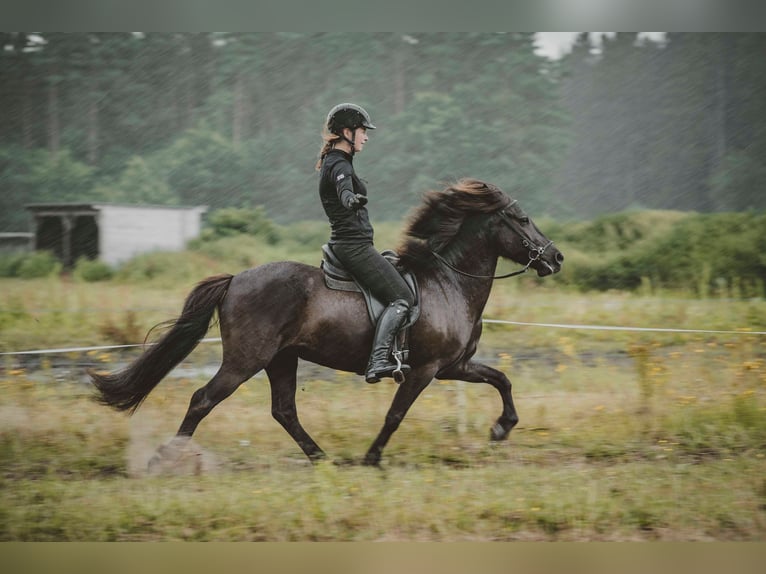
(381, 365)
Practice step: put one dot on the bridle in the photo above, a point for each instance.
(535, 252)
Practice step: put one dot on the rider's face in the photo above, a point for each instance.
(360, 137)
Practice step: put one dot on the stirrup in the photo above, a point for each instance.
(398, 371)
(398, 374)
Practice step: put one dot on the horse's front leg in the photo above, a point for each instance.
(405, 395)
(477, 373)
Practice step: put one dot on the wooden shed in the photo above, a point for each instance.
(110, 232)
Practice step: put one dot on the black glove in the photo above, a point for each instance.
(356, 201)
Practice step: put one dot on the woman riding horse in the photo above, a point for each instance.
(344, 199)
(275, 314)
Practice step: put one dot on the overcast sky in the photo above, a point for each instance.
(556, 44)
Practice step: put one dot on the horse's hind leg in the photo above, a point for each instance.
(204, 399)
(282, 372)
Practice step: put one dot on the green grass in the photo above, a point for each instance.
(327, 503)
(623, 435)
(52, 312)
(651, 442)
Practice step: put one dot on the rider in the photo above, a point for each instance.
(344, 199)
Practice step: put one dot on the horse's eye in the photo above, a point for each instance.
(524, 219)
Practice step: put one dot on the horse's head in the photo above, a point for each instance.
(518, 238)
(450, 222)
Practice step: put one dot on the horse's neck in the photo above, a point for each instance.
(478, 289)
(475, 259)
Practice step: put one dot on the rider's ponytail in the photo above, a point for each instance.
(330, 139)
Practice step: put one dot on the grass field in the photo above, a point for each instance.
(623, 436)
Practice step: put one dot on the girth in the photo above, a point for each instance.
(336, 277)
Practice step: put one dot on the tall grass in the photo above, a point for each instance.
(623, 435)
(50, 312)
(635, 441)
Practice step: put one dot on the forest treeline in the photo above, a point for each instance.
(234, 119)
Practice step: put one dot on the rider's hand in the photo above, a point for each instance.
(358, 200)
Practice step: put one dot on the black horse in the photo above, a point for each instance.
(272, 315)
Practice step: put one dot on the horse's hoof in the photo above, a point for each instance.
(166, 456)
(317, 457)
(498, 432)
(155, 465)
(373, 461)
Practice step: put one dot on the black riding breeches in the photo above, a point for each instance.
(373, 271)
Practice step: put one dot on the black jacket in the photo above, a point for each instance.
(337, 186)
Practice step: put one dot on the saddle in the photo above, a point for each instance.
(336, 277)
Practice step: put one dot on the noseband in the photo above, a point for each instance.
(535, 253)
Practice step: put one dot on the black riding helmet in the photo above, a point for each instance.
(348, 116)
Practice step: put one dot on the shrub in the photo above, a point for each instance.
(90, 271)
(618, 273)
(234, 253)
(617, 232)
(709, 253)
(706, 251)
(127, 332)
(10, 263)
(38, 264)
(235, 221)
(168, 266)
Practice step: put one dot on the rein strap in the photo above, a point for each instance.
(456, 270)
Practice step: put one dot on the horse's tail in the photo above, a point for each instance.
(125, 390)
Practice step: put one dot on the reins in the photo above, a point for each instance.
(456, 270)
(534, 254)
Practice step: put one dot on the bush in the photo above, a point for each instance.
(90, 271)
(10, 263)
(235, 253)
(38, 264)
(623, 273)
(617, 232)
(704, 252)
(171, 267)
(711, 253)
(235, 221)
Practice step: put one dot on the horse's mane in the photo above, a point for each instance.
(435, 223)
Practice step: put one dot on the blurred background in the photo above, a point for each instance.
(153, 160)
(573, 125)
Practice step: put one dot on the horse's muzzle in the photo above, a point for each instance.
(550, 267)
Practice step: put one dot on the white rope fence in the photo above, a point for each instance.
(86, 349)
(614, 328)
(489, 321)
